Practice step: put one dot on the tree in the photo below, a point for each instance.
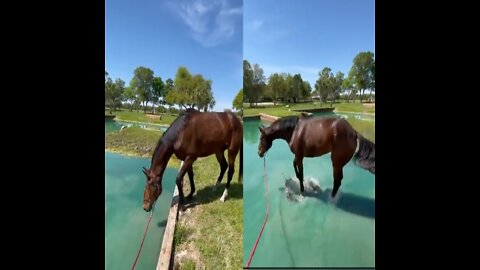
(157, 91)
(113, 93)
(142, 84)
(337, 82)
(361, 71)
(307, 90)
(347, 86)
(129, 96)
(296, 87)
(372, 79)
(190, 91)
(248, 82)
(275, 86)
(237, 103)
(258, 82)
(323, 85)
(168, 89)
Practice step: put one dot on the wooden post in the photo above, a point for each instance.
(165, 257)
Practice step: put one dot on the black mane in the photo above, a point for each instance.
(288, 122)
(169, 136)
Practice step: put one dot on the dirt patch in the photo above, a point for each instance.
(370, 105)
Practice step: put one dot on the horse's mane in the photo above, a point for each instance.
(169, 136)
(285, 123)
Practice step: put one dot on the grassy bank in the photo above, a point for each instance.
(209, 234)
(126, 115)
(133, 141)
(281, 110)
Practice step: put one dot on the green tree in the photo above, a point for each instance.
(361, 71)
(296, 87)
(275, 86)
(129, 96)
(157, 91)
(307, 90)
(347, 86)
(372, 79)
(113, 93)
(337, 82)
(323, 85)
(248, 83)
(168, 89)
(190, 91)
(142, 83)
(237, 103)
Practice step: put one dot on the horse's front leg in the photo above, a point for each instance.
(299, 162)
(187, 164)
(295, 168)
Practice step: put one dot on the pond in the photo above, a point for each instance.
(113, 125)
(125, 219)
(313, 232)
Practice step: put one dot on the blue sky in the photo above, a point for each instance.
(203, 35)
(304, 36)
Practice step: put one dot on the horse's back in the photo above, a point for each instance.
(314, 136)
(208, 132)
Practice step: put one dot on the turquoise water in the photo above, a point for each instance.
(313, 232)
(112, 126)
(125, 219)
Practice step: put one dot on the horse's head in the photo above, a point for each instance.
(153, 189)
(265, 141)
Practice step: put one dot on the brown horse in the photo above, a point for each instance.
(192, 135)
(310, 136)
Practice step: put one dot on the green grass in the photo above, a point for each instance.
(215, 228)
(134, 116)
(133, 141)
(281, 110)
(189, 265)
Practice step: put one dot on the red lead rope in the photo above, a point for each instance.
(266, 214)
(143, 240)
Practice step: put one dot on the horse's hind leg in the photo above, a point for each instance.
(192, 184)
(337, 179)
(339, 159)
(232, 154)
(223, 167)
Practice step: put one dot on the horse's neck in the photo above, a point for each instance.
(161, 158)
(282, 134)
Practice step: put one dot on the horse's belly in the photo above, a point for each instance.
(315, 151)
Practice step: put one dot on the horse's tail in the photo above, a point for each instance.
(365, 155)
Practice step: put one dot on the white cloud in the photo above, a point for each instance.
(210, 22)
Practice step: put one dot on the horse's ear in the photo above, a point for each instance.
(261, 128)
(145, 171)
